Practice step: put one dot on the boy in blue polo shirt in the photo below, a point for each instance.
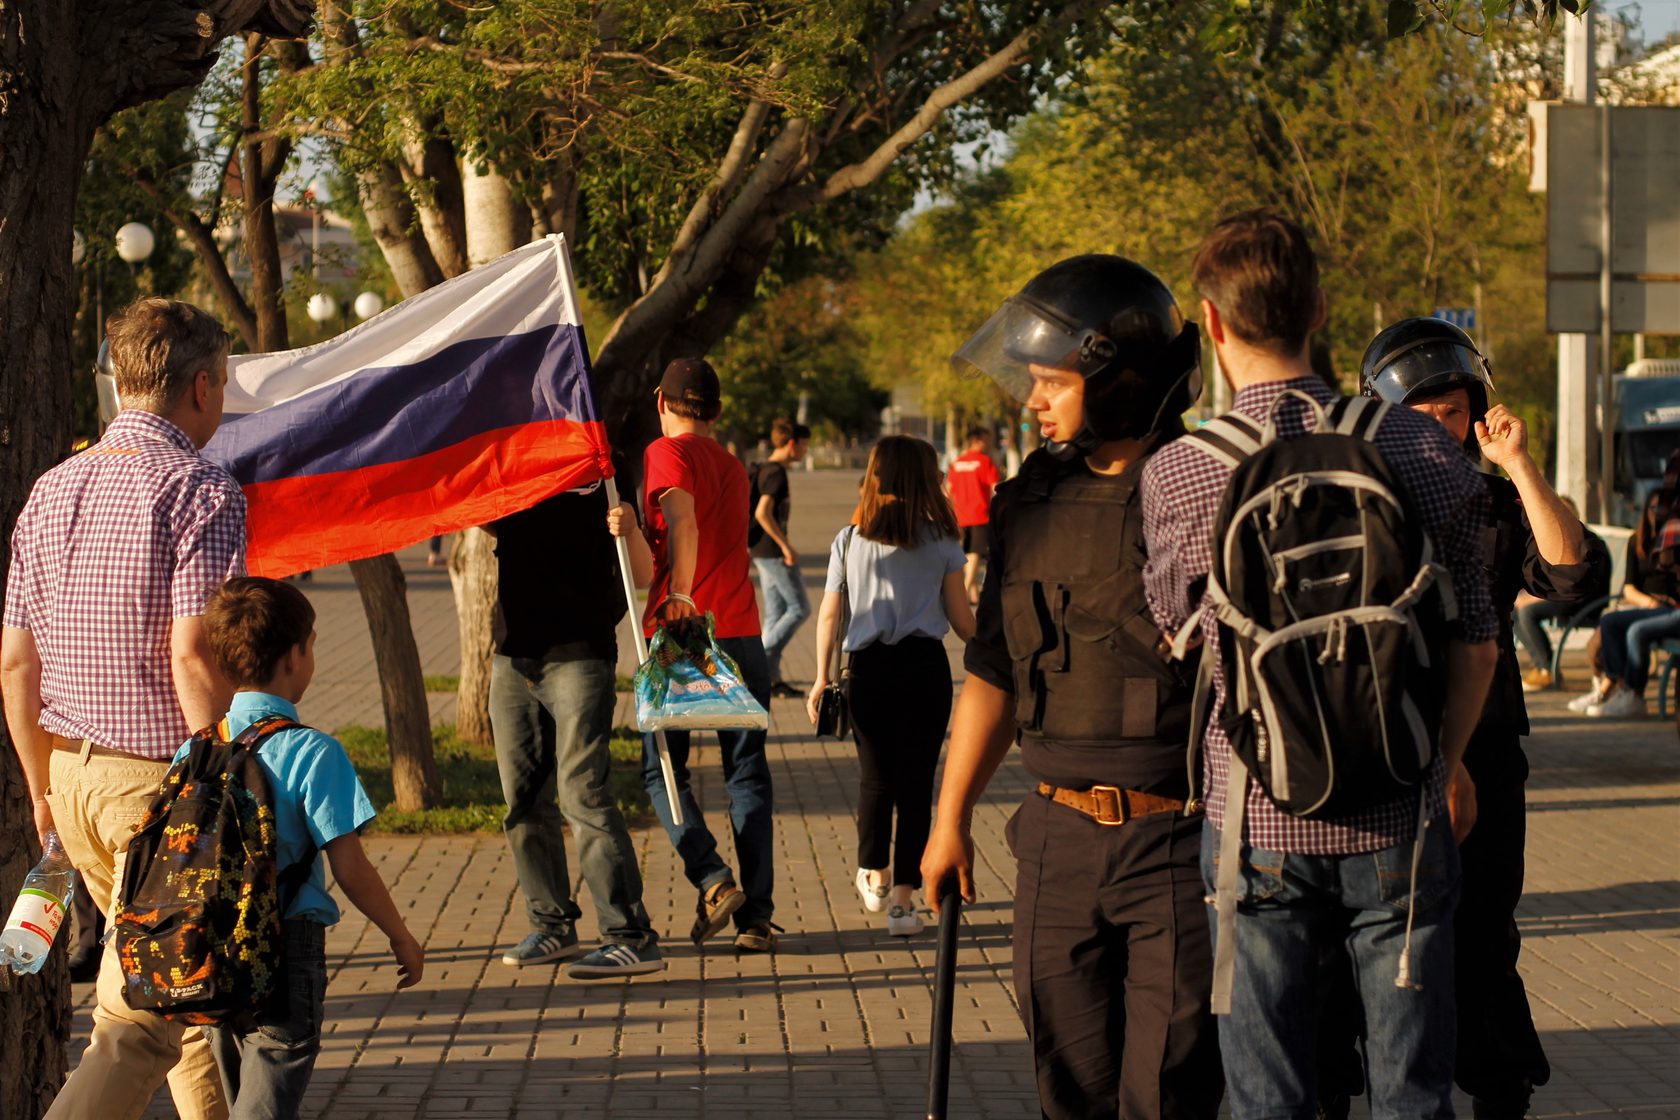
(262, 635)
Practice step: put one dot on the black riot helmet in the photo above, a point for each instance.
(1111, 321)
(1419, 358)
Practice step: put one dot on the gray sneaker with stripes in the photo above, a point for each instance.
(617, 960)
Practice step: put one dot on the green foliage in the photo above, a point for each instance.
(442, 682)
(472, 791)
(802, 339)
(1401, 159)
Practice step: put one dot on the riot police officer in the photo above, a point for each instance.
(1112, 962)
(1533, 543)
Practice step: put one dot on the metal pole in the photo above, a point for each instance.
(641, 656)
(944, 995)
(1606, 363)
(1576, 455)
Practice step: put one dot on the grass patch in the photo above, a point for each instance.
(442, 682)
(472, 791)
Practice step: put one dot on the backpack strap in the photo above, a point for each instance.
(1230, 438)
(1269, 429)
(1360, 417)
(1225, 886)
(290, 879)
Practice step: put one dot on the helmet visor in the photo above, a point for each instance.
(1430, 367)
(1019, 336)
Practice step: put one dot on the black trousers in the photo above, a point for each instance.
(1113, 968)
(900, 703)
(1499, 1052)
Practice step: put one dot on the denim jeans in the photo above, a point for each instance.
(785, 607)
(1628, 638)
(1291, 909)
(746, 776)
(266, 1068)
(552, 722)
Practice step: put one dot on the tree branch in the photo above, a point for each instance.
(868, 170)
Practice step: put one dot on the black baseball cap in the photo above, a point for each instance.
(692, 381)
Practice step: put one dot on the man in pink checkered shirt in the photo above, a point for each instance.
(104, 665)
(1308, 886)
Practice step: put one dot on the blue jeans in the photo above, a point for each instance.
(785, 607)
(1291, 910)
(746, 775)
(266, 1068)
(552, 722)
(1628, 637)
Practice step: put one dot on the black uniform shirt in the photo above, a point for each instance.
(560, 596)
(1514, 564)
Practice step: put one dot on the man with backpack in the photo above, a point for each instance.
(103, 661)
(1111, 961)
(1311, 541)
(785, 602)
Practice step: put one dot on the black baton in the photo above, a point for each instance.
(944, 990)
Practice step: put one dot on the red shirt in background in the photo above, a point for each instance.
(718, 482)
(973, 478)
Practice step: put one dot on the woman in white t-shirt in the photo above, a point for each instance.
(901, 566)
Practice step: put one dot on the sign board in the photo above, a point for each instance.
(1464, 318)
(1644, 217)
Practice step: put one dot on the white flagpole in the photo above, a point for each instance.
(641, 656)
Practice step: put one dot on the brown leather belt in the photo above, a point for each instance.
(1110, 805)
(74, 746)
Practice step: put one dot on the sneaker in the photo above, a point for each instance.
(617, 960)
(1624, 703)
(712, 913)
(1537, 680)
(1587, 699)
(903, 921)
(541, 948)
(757, 939)
(874, 898)
(787, 689)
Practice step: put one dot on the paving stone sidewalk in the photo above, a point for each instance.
(836, 1023)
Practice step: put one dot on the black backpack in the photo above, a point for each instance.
(198, 923)
(1332, 614)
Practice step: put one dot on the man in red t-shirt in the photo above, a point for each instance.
(696, 498)
(973, 478)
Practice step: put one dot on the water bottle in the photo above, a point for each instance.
(39, 910)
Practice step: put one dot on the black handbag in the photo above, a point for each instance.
(834, 711)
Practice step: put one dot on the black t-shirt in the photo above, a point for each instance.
(772, 483)
(561, 596)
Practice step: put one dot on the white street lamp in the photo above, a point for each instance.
(368, 304)
(135, 242)
(78, 247)
(322, 307)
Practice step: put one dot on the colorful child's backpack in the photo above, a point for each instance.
(198, 924)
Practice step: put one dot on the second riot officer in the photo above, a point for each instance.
(1112, 963)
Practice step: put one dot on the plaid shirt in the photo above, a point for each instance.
(1182, 487)
(113, 544)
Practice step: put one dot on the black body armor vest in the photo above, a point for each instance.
(1095, 700)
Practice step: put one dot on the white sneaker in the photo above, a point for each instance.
(1587, 699)
(874, 898)
(903, 921)
(1624, 703)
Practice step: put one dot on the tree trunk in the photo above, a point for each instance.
(472, 576)
(408, 721)
(496, 223)
(257, 179)
(44, 143)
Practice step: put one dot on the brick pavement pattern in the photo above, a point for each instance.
(835, 1025)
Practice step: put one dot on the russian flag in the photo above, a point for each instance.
(465, 403)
